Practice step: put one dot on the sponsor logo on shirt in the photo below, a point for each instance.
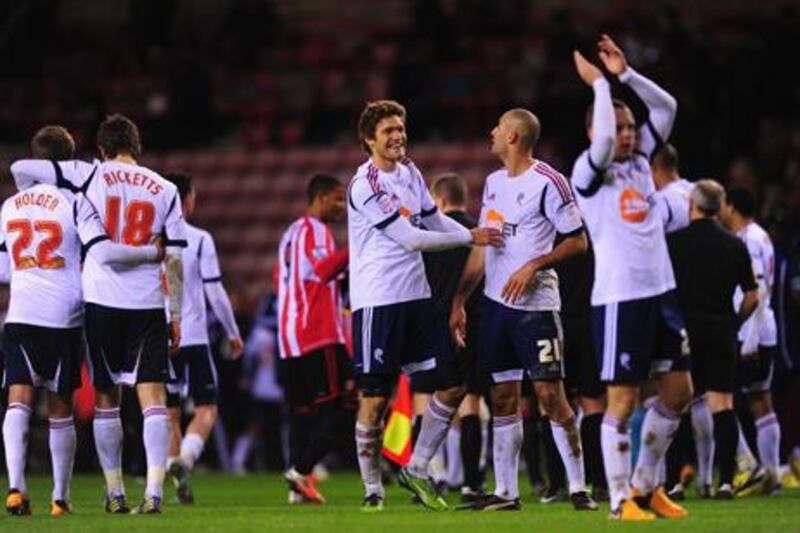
(496, 220)
(633, 206)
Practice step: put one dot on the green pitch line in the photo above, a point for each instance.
(258, 503)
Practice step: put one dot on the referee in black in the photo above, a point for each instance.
(443, 270)
(709, 263)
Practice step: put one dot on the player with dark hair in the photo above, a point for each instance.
(193, 366)
(758, 346)
(129, 339)
(638, 328)
(47, 231)
(394, 325)
(314, 366)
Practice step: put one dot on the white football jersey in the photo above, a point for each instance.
(627, 232)
(528, 209)
(674, 201)
(382, 272)
(200, 266)
(761, 325)
(43, 229)
(135, 204)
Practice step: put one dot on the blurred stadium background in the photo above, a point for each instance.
(254, 96)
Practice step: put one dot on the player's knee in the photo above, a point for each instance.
(207, 414)
(622, 405)
(505, 400)
(452, 397)
(371, 409)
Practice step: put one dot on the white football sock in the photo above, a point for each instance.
(568, 442)
(155, 434)
(369, 443)
(507, 447)
(769, 441)
(658, 430)
(15, 438)
(435, 423)
(62, 453)
(455, 468)
(615, 439)
(703, 429)
(108, 436)
(191, 449)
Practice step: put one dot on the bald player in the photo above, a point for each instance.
(521, 336)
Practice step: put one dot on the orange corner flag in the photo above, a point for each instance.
(397, 436)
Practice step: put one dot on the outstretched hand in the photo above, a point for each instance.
(487, 237)
(611, 55)
(588, 72)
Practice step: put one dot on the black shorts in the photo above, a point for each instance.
(43, 357)
(517, 343)
(127, 346)
(713, 345)
(408, 337)
(429, 381)
(580, 360)
(195, 376)
(317, 377)
(754, 372)
(638, 339)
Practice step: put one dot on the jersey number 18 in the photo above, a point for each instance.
(139, 218)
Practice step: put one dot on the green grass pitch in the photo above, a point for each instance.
(258, 503)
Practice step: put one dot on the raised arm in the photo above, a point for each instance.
(662, 106)
(587, 175)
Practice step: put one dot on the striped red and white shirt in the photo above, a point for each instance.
(309, 301)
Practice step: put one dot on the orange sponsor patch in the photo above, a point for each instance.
(633, 206)
(495, 219)
(404, 211)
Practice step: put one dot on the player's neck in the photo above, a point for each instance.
(316, 212)
(123, 158)
(387, 165)
(739, 222)
(517, 164)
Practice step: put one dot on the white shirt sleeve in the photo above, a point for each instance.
(560, 208)
(213, 288)
(662, 108)
(588, 173)
(412, 239)
(71, 175)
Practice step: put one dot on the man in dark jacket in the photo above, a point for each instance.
(709, 263)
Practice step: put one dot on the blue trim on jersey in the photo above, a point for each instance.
(429, 212)
(212, 280)
(385, 222)
(597, 180)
